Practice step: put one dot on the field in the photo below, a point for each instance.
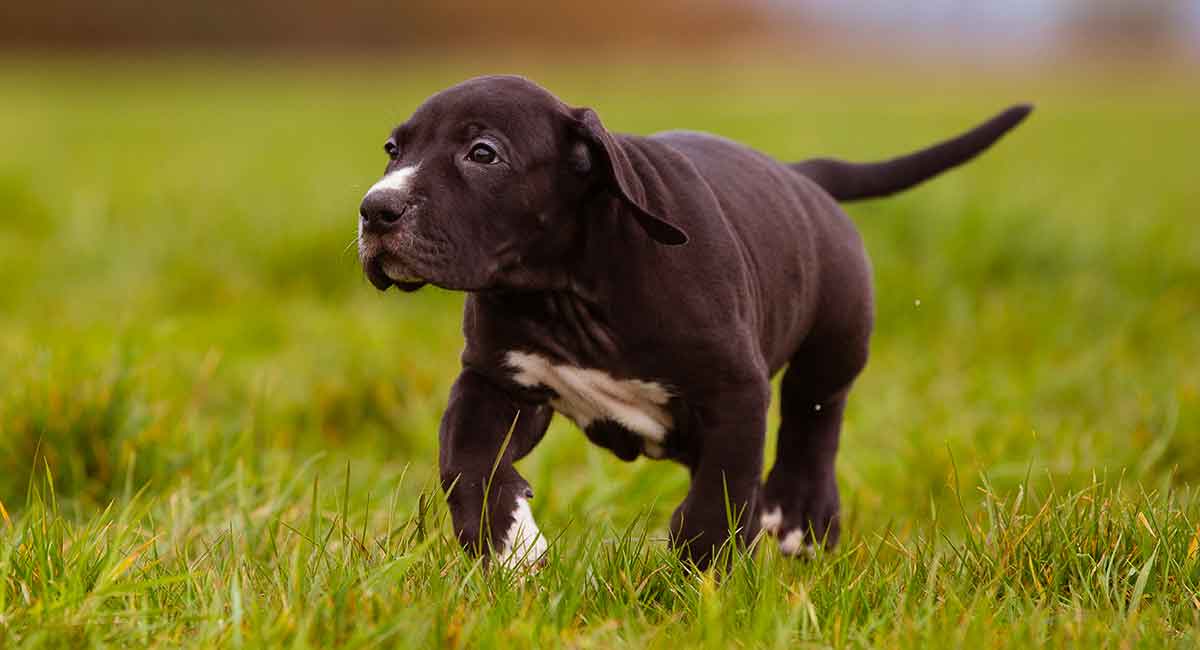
(214, 432)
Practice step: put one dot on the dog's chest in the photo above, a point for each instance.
(588, 395)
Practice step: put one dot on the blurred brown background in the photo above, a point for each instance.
(691, 28)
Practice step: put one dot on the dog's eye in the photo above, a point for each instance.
(391, 148)
(483, 154)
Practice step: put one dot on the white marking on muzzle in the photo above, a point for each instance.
(398, 180)
(523, 543)
(586, 395)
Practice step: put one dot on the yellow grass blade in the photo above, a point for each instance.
(128, 561)
(1141, 517)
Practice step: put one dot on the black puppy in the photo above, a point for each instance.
(645, 287)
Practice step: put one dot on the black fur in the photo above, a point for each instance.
(680, 258)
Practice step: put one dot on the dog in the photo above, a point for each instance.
(647, 288)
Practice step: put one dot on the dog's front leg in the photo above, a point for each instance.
(488, 499)
(725, 478)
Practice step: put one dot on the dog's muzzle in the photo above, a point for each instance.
(387, 210)
(382, 214)
(383, 273)
(382, 210)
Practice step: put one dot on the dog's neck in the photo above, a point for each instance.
(566, 324)
(565, 297)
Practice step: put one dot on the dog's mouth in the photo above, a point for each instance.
(384, 274)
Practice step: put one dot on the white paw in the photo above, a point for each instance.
(793, 544)
(523, 544)
(771, 520)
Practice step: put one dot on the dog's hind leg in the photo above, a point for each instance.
(800, 501)
(727, 473)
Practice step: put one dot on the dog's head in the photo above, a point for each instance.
(486, 187)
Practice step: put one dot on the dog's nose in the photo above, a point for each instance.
(380, 210)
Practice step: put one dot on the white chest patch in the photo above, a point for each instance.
(587, 395)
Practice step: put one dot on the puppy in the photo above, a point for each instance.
(647, 288)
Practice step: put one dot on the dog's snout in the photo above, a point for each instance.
(380, 210)
(387, 200)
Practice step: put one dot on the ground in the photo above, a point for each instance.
(213, 431)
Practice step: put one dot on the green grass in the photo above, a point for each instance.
(213, 432)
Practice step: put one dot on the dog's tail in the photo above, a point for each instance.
(847, 181)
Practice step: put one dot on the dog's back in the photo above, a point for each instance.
(797, 246)
(795, 243)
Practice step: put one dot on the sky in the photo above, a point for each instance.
(998, 23)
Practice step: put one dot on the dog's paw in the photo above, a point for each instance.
(809, 518)
(771, 519)
(523, 545)
(795, 544)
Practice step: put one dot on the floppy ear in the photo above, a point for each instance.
(610, 158)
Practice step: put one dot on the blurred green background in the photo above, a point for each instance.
(181, 306)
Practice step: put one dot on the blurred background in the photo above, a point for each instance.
(180, 302)
(1018, 29)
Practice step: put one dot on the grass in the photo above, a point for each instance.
(213, 432)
